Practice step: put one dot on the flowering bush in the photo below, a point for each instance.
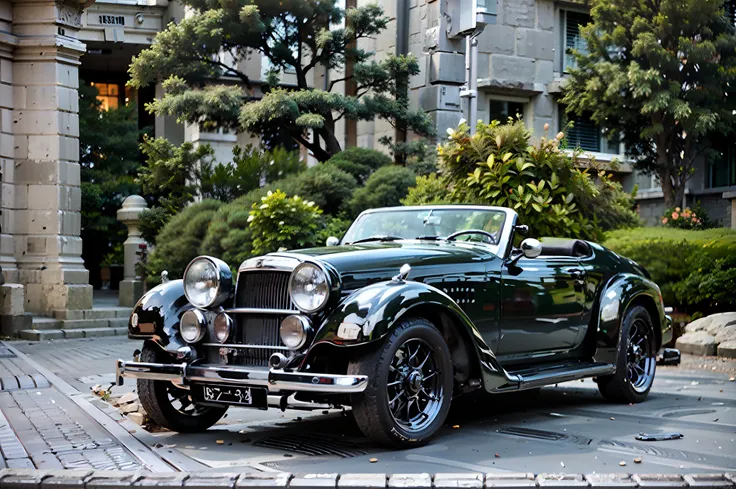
(685, 218)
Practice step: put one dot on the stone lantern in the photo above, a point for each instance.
(131, 287)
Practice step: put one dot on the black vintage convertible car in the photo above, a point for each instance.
(414, 306)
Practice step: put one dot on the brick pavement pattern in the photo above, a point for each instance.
(41, 428)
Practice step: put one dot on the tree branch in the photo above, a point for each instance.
(333, 82)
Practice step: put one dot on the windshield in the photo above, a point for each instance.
(427, 223)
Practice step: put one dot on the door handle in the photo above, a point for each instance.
(576, 273)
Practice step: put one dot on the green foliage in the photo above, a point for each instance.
(279, 221)
(429, 190)
(385, 187)
(291, 34)
(327, 186)
(180, 240)
(109, 158)
(424, 163)
(229, 236)
(334, 227)
(172, 175)
(687, 218)
(677, 259)
(661, 74)
(152, 222)
(546, 186)
(225, 182)
(359, 162)
(710, 286)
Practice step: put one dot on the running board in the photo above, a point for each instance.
(532, 378)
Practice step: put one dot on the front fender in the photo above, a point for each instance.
(157, 315)
(378, 308)
(621, 291)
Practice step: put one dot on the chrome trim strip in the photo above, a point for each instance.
(254, 347)
(250, 310)
(274, 380)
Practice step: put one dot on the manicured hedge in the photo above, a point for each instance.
(674, 257)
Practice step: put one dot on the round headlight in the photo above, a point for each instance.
(309, 287)
(207, 282)
(294, 331)
(192, 326)
(223, 326)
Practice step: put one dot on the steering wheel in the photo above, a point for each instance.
(489, 236)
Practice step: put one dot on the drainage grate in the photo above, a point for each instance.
(311, 445)
(545, 435)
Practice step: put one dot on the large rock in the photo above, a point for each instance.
(726, 334)
(713, 323)
(727, 349)
(697, 343)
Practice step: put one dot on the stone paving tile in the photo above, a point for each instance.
(56, 434)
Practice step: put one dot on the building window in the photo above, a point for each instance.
(722, 171)
(501, 110)
(572, 39)
(586, 135)
(108, 94)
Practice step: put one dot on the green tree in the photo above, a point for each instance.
(384, 188)
(661, 74)
(300, 35)
(109, 158)
(279, 221)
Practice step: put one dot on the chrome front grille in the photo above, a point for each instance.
(263, 290)
(258, 290)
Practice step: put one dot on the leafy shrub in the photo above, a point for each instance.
(152, 222)
(710, 286)
(280, 221)
(544, 184)
(429, 189)
(678, 259)
(359, 162)
(327, 186)
(334, 227)
(425, 163)
(386, 187)
(180, 240)
(695, 218)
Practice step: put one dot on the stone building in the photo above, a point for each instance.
(47, 46)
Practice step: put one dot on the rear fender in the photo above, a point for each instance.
(620, 293)
(156, 316)
(374, 311)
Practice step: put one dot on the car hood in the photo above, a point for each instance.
(361, 264)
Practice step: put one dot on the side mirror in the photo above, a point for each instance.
(332, 241)
(531, 248)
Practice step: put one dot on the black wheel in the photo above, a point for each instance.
(170, 406)
(636, 362)
(409, 388)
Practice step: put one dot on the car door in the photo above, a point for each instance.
(542, 305)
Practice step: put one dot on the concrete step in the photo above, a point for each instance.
(44, 323)
(94, 313)
(60, 334)
(84, 323)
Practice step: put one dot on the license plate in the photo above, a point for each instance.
(241, 396)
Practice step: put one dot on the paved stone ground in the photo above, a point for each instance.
(567, 428)
(42, 427)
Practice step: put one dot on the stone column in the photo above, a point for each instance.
(47, 177)
(131, 288)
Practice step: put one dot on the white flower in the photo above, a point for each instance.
(251, 217)
(264, 206)
(281, 223)
(269, 193)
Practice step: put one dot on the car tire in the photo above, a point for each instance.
(407, 399)
(637, 360)
(172, 407)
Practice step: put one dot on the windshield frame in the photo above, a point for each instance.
(499, 249)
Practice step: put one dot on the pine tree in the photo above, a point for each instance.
(199, 59)
(662, 74)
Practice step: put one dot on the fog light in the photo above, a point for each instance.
(295, 331)
(192, 326)
(223, 327)
(277, 360)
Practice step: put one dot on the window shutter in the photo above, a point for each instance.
(573, 40)
(584, 134)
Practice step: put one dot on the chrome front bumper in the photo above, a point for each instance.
(274, 380)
